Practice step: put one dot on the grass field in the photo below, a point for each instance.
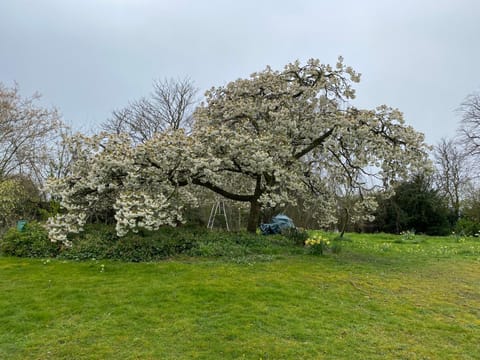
(379, 298)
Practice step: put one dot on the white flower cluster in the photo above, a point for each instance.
(143, 210)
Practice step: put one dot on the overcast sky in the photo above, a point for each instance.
(89, 57)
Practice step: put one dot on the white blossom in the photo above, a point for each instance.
(265, 140)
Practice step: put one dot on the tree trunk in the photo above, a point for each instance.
(253, 217)
(345, 222)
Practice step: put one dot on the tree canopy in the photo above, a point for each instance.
(263, 140)
(27, 131)
(29, 134)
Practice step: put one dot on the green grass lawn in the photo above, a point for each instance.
(376, 299)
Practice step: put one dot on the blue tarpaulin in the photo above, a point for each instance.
(279, 223)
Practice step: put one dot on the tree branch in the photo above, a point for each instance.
(315, 143)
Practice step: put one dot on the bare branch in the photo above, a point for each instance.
(470, 123)
(27, 134)
(169, 106)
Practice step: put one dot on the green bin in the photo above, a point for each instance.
(21, 225)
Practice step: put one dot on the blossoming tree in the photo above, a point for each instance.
(263, 140)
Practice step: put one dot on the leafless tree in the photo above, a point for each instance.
(27, 132)
(470, 124)
(453, 172)
(169, 106)
(61, 155)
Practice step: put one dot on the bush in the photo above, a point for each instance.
(415, 205)
(317, 244)
(237, 244)
(467, 227)
(297, 235)
(99, 241)
(32, 241)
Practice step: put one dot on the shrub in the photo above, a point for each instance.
(99, 241)
(48, 209)
(317, 244)
(236, 244)
(297, 235)
(467, 227)
(32, 241)
(415, 205)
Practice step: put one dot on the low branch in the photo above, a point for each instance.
(222, 192)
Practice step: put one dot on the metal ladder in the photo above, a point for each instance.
(218, 208)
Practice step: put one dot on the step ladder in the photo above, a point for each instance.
(218, 208)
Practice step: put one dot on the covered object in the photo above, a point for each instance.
(279, 223)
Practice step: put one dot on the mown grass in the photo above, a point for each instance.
(378, 298)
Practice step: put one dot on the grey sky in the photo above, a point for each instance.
(88, 57)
